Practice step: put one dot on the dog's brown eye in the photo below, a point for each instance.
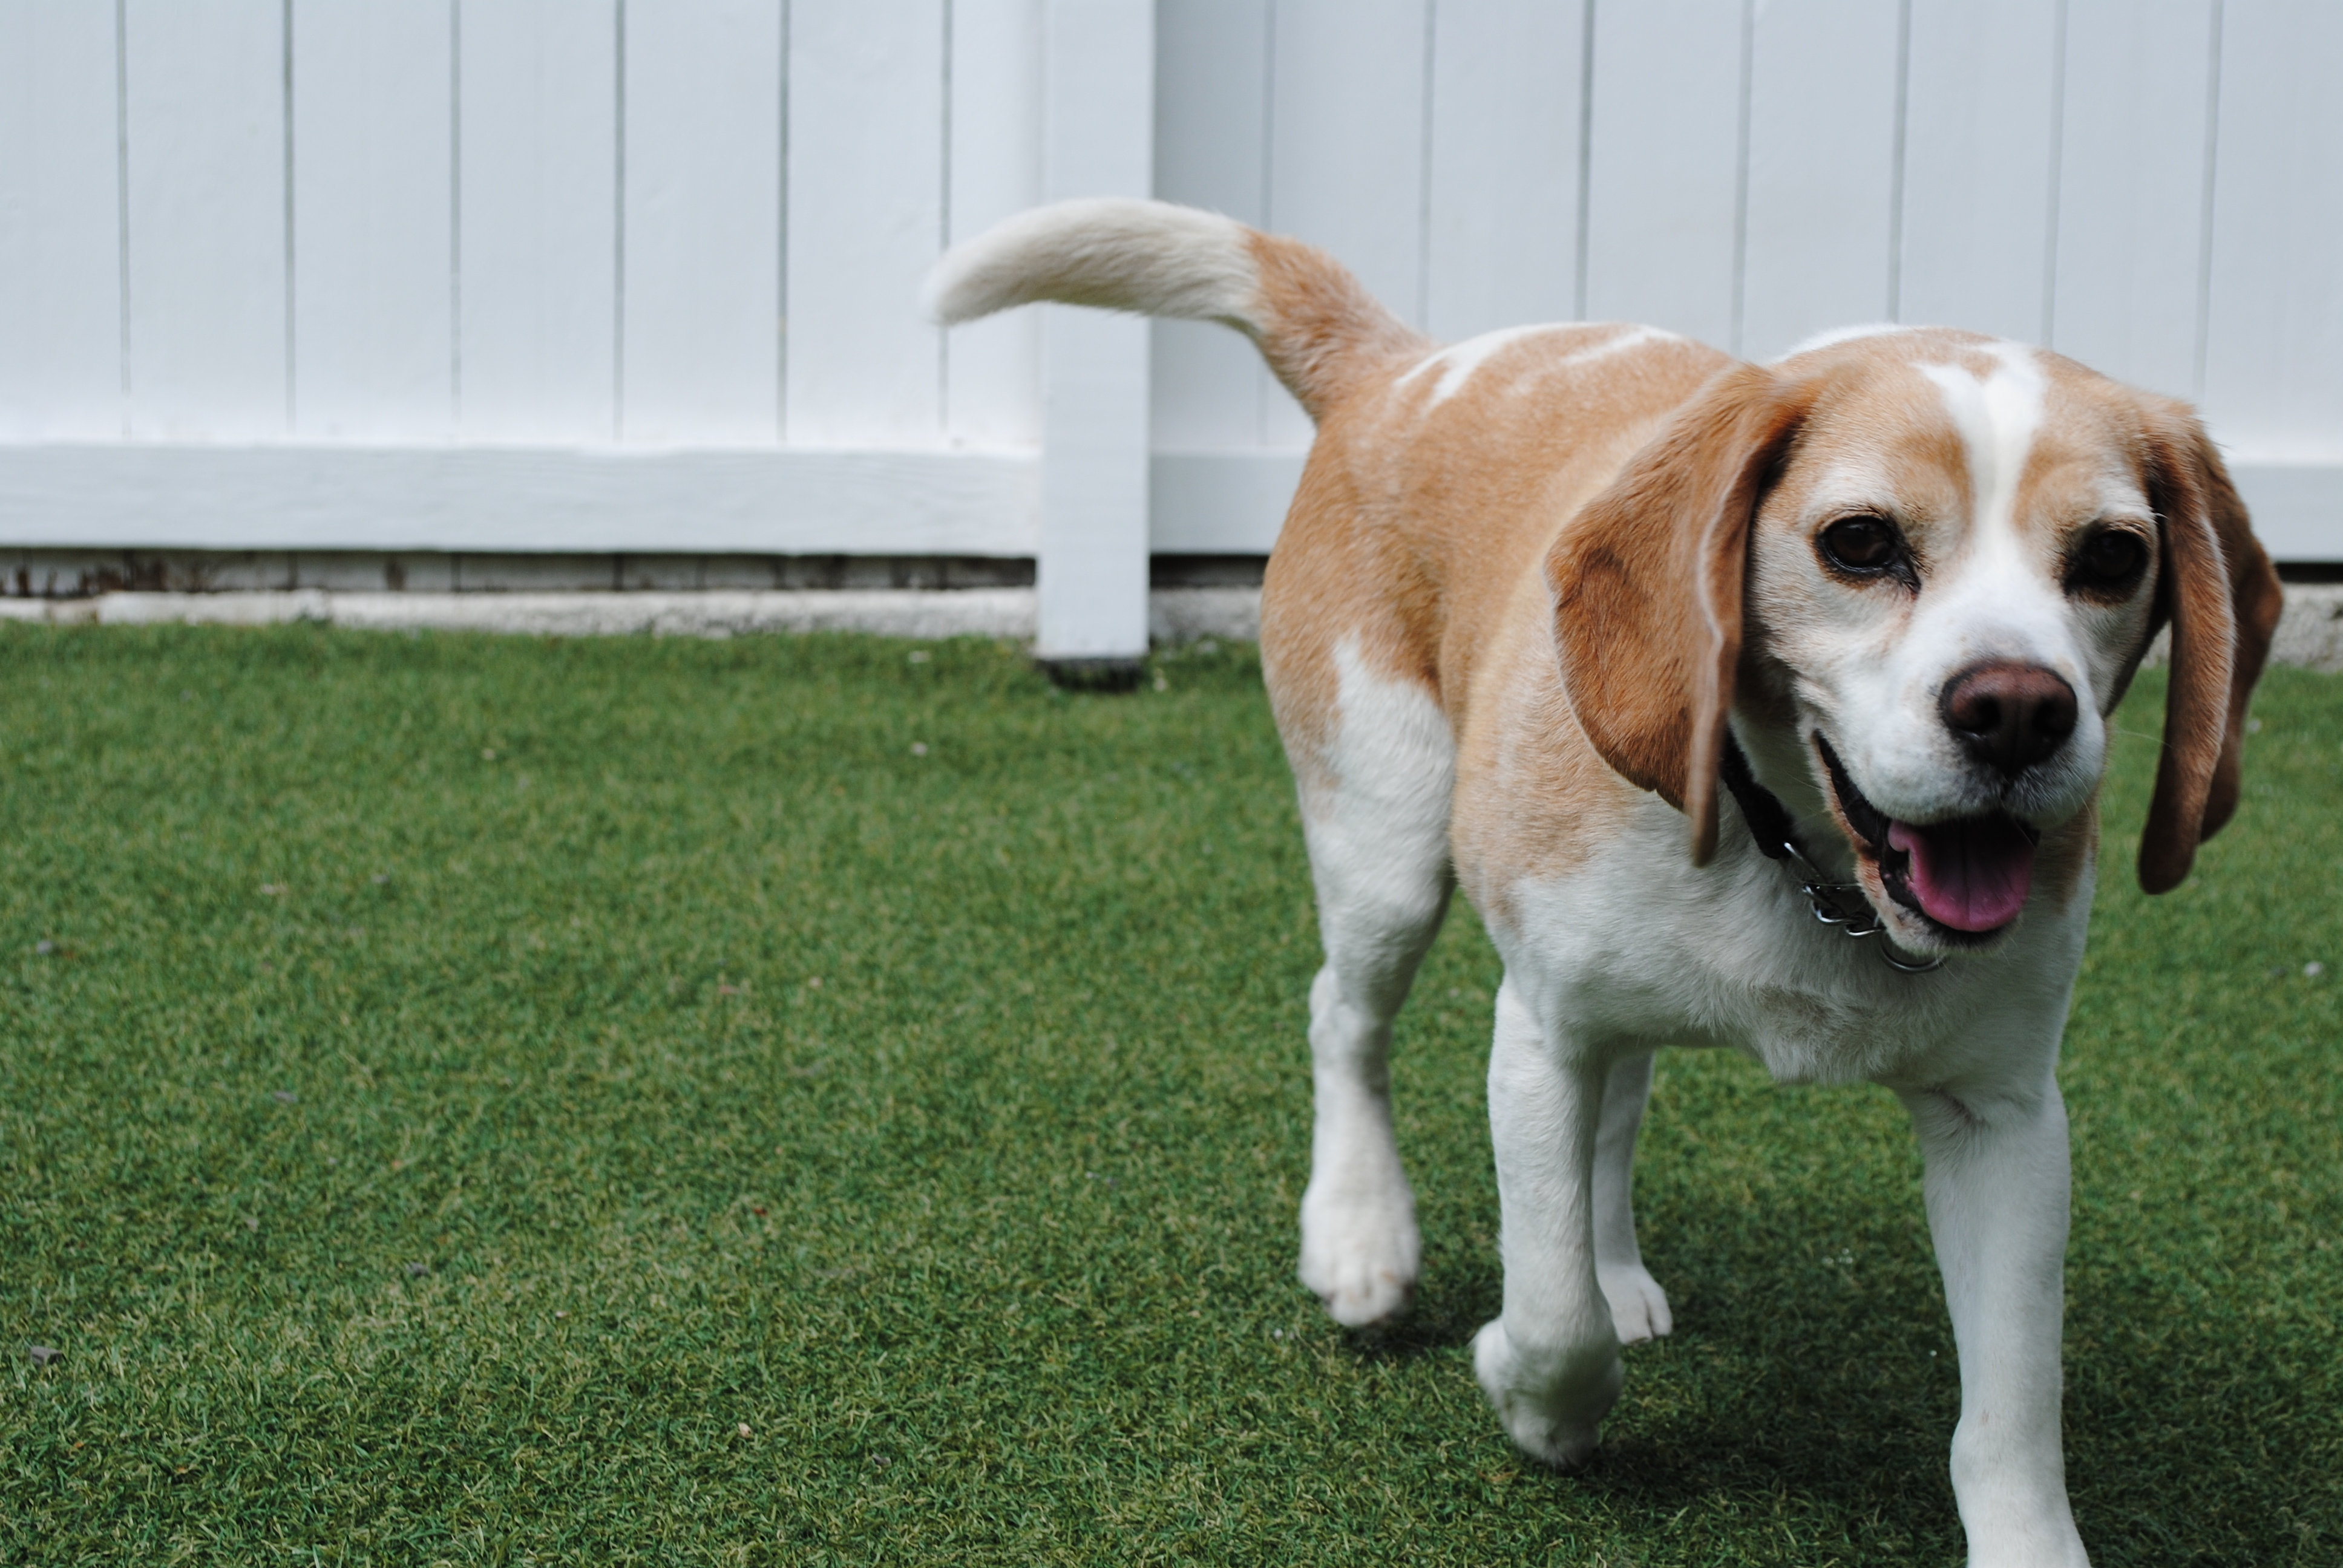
(1862, 544)
(2110, 559)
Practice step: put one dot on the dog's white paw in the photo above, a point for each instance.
(1639, 1308)
(1552, 1402)
(1360, 1251)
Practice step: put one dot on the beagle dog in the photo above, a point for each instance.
(1546, 600)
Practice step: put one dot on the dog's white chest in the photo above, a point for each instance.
(1637, 947)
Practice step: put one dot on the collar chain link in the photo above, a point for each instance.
(1861, 921)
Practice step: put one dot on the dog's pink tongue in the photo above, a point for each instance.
(1972, 876)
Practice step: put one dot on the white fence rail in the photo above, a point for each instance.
(635, 274)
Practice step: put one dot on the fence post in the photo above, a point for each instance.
(1099, 139)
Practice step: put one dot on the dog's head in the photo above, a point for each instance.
(1921, 565)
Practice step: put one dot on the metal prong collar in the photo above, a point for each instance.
(1826, 898)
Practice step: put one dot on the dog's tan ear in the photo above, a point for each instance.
(1647, 585)
(2224, 599)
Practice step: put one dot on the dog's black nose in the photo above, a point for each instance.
(2009, 715)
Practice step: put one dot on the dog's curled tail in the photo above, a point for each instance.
(1316, 325)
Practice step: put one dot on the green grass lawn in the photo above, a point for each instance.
(497, 1100)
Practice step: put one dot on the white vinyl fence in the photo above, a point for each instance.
(636, 275)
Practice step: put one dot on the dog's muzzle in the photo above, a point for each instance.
(1967, 875)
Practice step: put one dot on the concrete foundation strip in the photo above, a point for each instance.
(2309, 636)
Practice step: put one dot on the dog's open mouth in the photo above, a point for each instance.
(1969, 875)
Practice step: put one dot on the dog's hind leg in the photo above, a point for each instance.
(1374, 803)
(1639, 1308)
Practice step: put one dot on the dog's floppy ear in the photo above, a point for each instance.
(1647, 584)
(2224, 599)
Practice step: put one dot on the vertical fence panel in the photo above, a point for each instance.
(1822, 93)
(2272, 382)
(205, 141)
(2131, 189)
(701, 344)
(1978, 165)
(992, 369)
(866, 219)
(1098, 140)
(1663, 165)
(536, 334)
(373, 207)
(1210, 390)
(1346, 150)
(60, 229)
(1501, 246)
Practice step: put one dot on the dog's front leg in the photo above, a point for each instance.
(1550, 1363)
(1997, 1191)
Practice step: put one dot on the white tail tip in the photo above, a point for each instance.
(1115, 253)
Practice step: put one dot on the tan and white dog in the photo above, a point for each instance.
(1539, 593)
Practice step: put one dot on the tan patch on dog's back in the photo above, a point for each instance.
(1419, 525)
